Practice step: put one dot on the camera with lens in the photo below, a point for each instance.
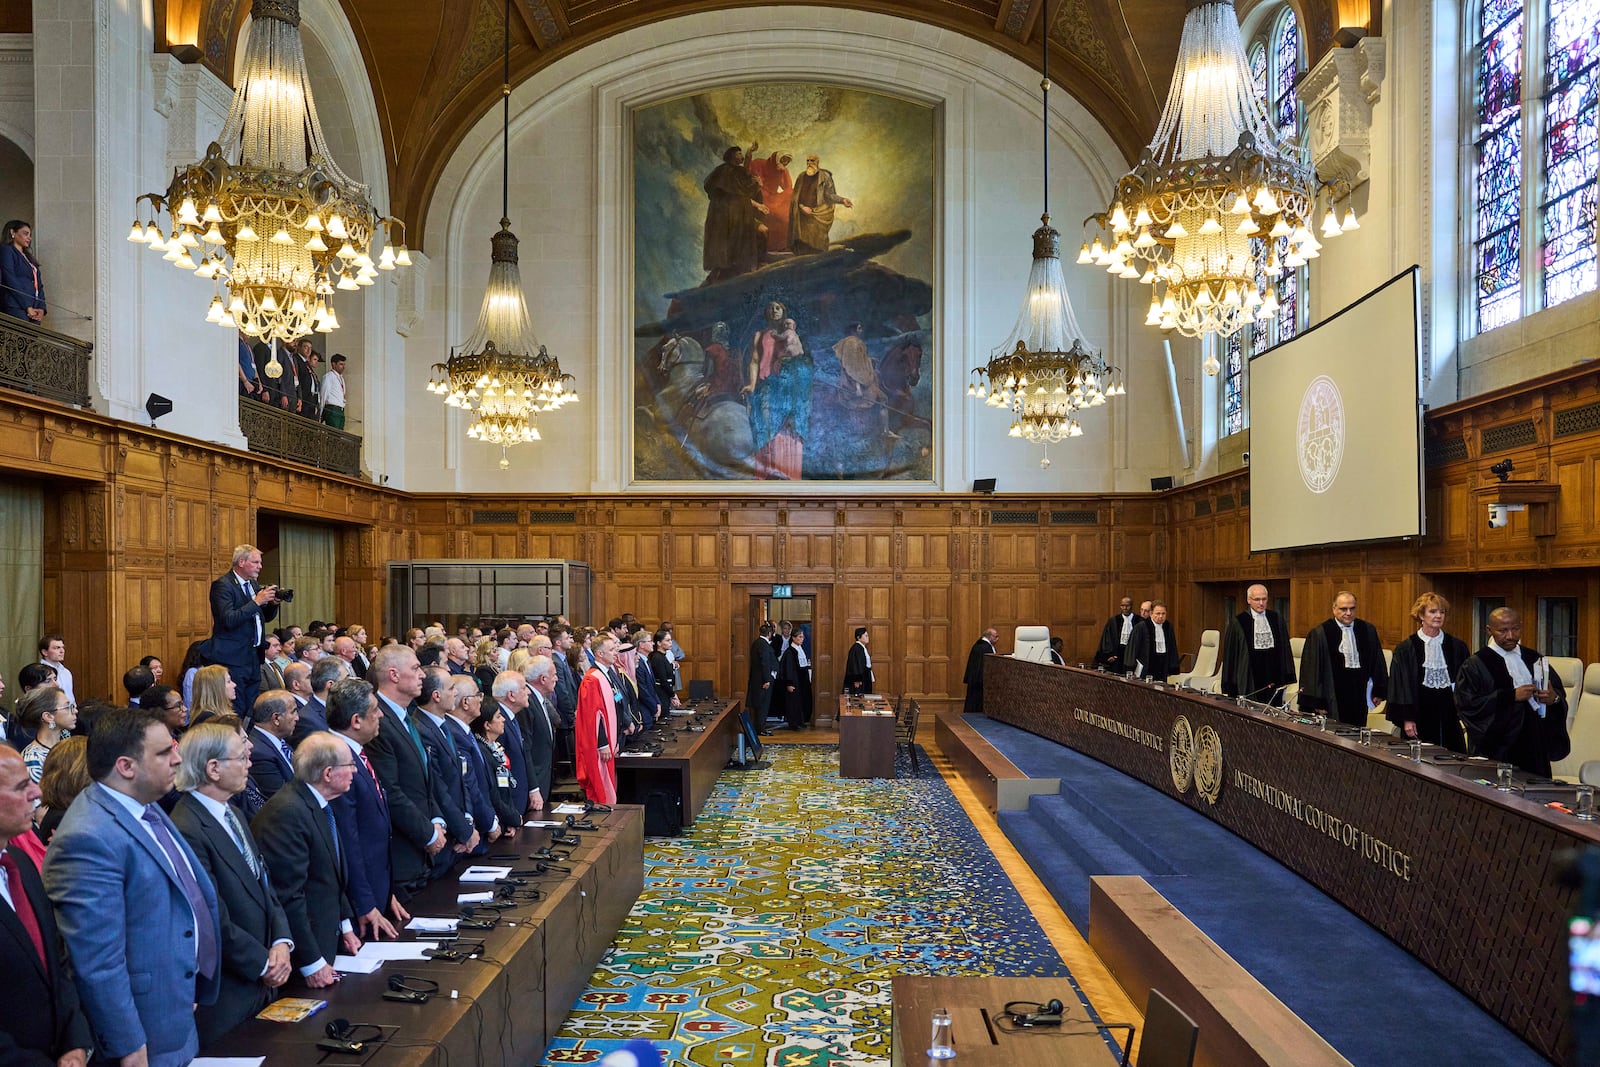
(285, 595)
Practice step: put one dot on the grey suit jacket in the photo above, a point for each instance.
(129, 930)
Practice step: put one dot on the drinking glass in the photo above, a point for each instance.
(943, 1048)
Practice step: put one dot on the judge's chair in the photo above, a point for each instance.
(1583, 727)
(1205, 674)
(1377, 721)
(1032, 643)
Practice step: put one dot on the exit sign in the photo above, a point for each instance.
(782, 592)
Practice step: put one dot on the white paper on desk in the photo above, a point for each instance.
(474, 898)
(355, 965)
(569, 809)
(544, 822)
(683, 711)
(481, 873)
(636, 755)
(432, 926)
(227, 1061)
(394, 950)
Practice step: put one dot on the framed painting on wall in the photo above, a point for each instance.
(784, 249)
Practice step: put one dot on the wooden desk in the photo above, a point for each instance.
(914, 1000)
(688, 765)
(535, 963)
(1458, 874)
(866, 742)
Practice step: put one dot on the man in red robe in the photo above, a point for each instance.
(595, 732)
(776, 190)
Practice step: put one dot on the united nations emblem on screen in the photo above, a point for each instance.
(1319, 435)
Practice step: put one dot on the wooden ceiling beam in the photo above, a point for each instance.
(546, 21)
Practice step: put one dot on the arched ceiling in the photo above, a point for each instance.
(435, 66)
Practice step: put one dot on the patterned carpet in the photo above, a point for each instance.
(768, 936)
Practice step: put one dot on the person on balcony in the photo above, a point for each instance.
(21, 284)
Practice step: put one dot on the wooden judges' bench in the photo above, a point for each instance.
(514, 996)
(1462, 876)
(687, 765)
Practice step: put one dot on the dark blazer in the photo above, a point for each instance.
(269, 770)
(449, 787)
(515, 743)
(313, 717)
(43, 1019)
(129, 930)
(661, 668)
(566, 694)
(763, 671)
(252, 919)
(857, 675)
(649, 695)
(233, 626)
(308, 873)
(16, 275)
(364, 831)
(476, 779)
(307, 381)
(510, 800)
(408, 790)
(539, 744)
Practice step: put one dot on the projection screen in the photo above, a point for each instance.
(1336, 427)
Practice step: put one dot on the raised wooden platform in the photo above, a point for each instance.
(1147, 943)
(997, 781)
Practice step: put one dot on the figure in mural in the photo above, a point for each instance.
(777, 189)
(860, 376)
(812, 208)
(778, 383)
(735, 233)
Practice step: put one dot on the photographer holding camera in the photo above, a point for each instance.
(240, 611)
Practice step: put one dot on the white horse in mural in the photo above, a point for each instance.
(712, 428)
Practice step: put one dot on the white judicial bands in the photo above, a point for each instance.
(1336, 427)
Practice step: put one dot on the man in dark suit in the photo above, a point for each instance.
(314, 712)
(240, 611)
(402, 766)
(42, 1025)
(255, 932)
(363, 812)
(271, 760)
(763, 672)
(477, 781)
(298, 836)
(858, 666)
(649, 697)
(539, 724)
(973, 678)
(1342, 670)
(566, 695)
(510, 694)
(135, 908)
(444, 764)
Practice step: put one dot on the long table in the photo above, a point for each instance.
(689, 764)
(1459, 874)
(510, 1000)
(984, 1042)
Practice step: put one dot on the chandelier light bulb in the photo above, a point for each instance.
(137, 233)
(1349, 222)
(1211, 366)
(403, 256)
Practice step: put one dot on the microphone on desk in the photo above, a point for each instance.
(574, 824)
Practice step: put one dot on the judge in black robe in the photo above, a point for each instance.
(1114, 637)
(1422, 700)
(1256, 673)
(973, 678)
(1328, 684)
(1145, 659)
(794, 681)
(858, 666)
(1502, 723)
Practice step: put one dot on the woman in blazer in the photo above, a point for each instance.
(21, 283)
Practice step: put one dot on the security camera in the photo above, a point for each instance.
(1499, 516)
(1503, 469)
(1246, 458)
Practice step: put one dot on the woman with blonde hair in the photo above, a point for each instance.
(1422, 678)
(213, 692)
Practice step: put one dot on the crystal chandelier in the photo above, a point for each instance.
(502, 374)
(267, 215)
(1219, 205)
(1043, 373)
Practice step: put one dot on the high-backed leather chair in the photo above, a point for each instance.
(1032, 643)
(1206, 667)
(1583, 723)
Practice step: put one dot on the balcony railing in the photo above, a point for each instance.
(275, 432)
(43, 362)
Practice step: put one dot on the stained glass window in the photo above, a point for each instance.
(1258, 72)
(1497, 215)
(1233, 383)
(1570, 154)
(1285, 68)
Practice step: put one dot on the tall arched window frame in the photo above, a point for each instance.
(1534, 75)
(1277, 58)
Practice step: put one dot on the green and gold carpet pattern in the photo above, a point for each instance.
(768, 935)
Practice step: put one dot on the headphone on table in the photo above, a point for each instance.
(1027, 1013)
(349, 1038)
(408, 990)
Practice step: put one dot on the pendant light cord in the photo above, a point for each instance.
(505, 122)
(1044, 49)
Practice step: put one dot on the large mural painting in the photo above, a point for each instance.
(783, 251)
